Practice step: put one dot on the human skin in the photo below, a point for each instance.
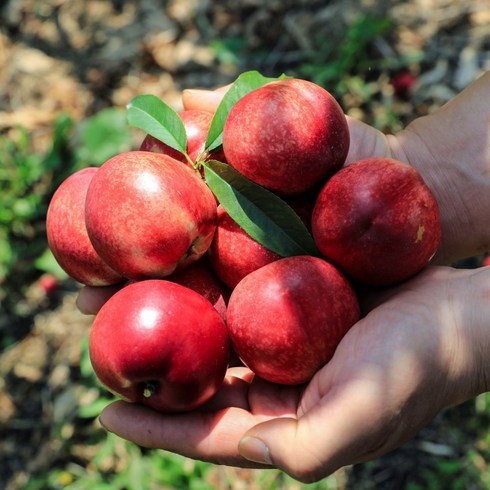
(451, 150)
(435, 327)
(452, 157)
(418, 352)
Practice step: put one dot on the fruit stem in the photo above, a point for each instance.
(197, 166)
(150, 388)
(200, 160)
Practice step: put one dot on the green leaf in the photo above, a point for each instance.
(244, 84)
(155, 117)
(263, 215)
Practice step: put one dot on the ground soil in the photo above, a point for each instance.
(81, 56)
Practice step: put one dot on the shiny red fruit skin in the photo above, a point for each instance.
(233, 253)
(161, 334)
(201, 278)
(377, 220)
(67, 235)
(146, 215)
(286, 319)
(286, 136)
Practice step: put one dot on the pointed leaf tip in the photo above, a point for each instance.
(244, 84)
(155, 117)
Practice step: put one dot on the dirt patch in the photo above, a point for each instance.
(77, 57)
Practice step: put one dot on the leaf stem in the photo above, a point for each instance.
(189, 159)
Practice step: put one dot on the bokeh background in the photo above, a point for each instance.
(67, 71)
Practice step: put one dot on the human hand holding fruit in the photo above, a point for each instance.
(390, 375)
(332, 457)
(148, 216)
(451, 158)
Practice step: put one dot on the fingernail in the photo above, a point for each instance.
(196, 91)
(254, 450)
(101, 422)
(79, 306)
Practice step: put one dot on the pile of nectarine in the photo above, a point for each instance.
(241, 231)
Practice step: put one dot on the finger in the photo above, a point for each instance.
(91, 299)
(233, 392)
(211, 437)
(272, 400)
(372, 297)
(366, 141)
(348, 426)
(204, 100)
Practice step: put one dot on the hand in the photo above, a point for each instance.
(453, 159)
(420, 348)
(417, 352)
(451, 150)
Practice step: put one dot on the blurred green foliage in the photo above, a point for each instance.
(353, 64)
(101, 136)
(335, 63)
(27, 182)
(29, 179)
(228, 51)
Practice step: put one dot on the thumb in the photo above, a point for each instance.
(91, 298)
(287, 444)
(366, 141)
(204, 100)
(352, 423)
